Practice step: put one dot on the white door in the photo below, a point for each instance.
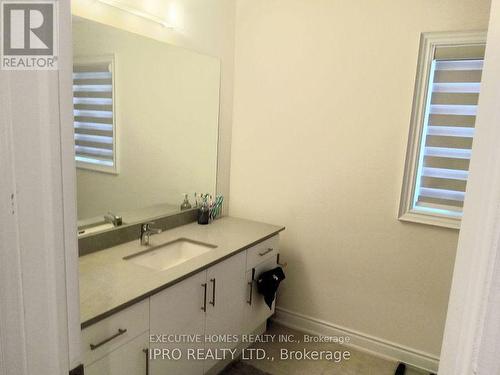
(226, 299)
(178, 310)
(39, 310)
(130, 359)
(256, 310)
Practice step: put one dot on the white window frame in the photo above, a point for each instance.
(428, 44)
(99, 168)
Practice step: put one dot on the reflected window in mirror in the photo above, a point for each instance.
(94, 113)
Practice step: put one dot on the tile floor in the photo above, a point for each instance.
(360, 363)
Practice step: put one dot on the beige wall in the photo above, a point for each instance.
(323, 94)
(203, 26)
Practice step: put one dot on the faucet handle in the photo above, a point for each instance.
(116, 220)
(146, 231)
(147, 226)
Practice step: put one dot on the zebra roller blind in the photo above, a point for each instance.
(448, 131)
(94, 114)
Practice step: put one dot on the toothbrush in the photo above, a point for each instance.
(217, 207)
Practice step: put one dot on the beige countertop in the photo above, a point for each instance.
(108, 283)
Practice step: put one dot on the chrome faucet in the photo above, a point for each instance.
(147, 231)
(113, 219)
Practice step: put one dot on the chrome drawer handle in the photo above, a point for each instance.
(266, 252)
(250, 284)
(146, 351)
(249, 301)
(204, 307)
(213, 292)
(119, 333)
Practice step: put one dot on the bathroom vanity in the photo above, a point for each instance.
(146, 129)
(205, 285)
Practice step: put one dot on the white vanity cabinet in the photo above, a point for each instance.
(221, 300)
(256, 311)
(226, 286)
(179, 310)
(208, 303)
(260, 258)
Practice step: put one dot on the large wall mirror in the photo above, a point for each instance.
(146, 125)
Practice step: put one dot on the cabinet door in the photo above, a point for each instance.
(256, 310)
(178, 311)
(114, 331)
(226, 299)
(130, 359)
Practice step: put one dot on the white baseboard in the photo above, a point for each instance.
(358, 340)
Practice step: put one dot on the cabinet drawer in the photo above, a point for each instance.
(130, 359)
(110, 333)
(262, 251)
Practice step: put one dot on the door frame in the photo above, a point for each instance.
(476, 271)
(39, 310)
(464, 349)
(68, 172)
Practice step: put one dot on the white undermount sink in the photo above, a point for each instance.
(169, 254)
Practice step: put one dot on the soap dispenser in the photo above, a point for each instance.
(185, 205)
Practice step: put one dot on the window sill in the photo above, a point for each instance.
(97, 168)
(435, 220)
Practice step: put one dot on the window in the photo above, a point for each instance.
(94, 114)
(442, 127)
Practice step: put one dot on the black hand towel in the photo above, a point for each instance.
(401, 370)
(268, 282)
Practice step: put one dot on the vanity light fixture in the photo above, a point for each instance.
(136, 12)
